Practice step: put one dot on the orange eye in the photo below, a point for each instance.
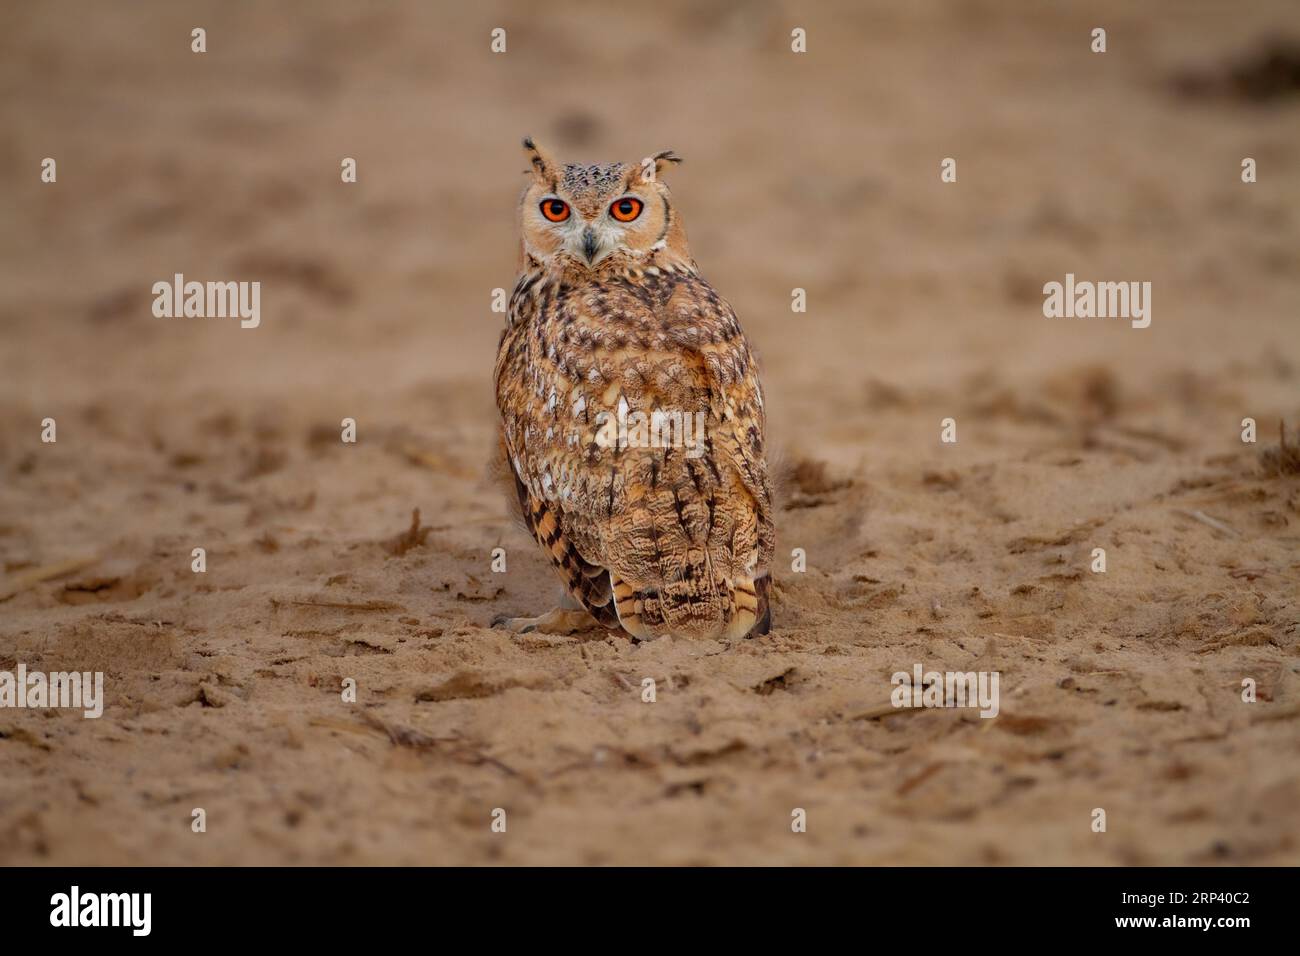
(626, 209)
(556, 210)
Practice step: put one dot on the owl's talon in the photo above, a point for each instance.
(559, 621)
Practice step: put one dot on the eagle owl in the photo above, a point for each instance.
(631, 412)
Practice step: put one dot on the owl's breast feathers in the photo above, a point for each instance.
(632, 417)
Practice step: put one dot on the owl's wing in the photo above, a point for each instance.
(521, 377)
(587, 583)
(684, 525)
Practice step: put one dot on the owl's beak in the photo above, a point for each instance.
(589, 244)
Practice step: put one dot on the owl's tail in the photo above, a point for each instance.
(692, 608)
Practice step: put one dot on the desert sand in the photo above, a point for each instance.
(1120, 690)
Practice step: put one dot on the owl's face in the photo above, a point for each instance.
(586, 214)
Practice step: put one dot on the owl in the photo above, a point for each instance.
(632, 417)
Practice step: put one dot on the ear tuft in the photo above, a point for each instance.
(651, 167)
(542, 165)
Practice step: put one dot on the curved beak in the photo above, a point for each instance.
(589, 244)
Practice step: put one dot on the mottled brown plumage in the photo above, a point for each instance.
(661, 524)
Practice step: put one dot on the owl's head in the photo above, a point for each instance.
(584, 215)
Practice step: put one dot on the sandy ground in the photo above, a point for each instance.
(1120, 690)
